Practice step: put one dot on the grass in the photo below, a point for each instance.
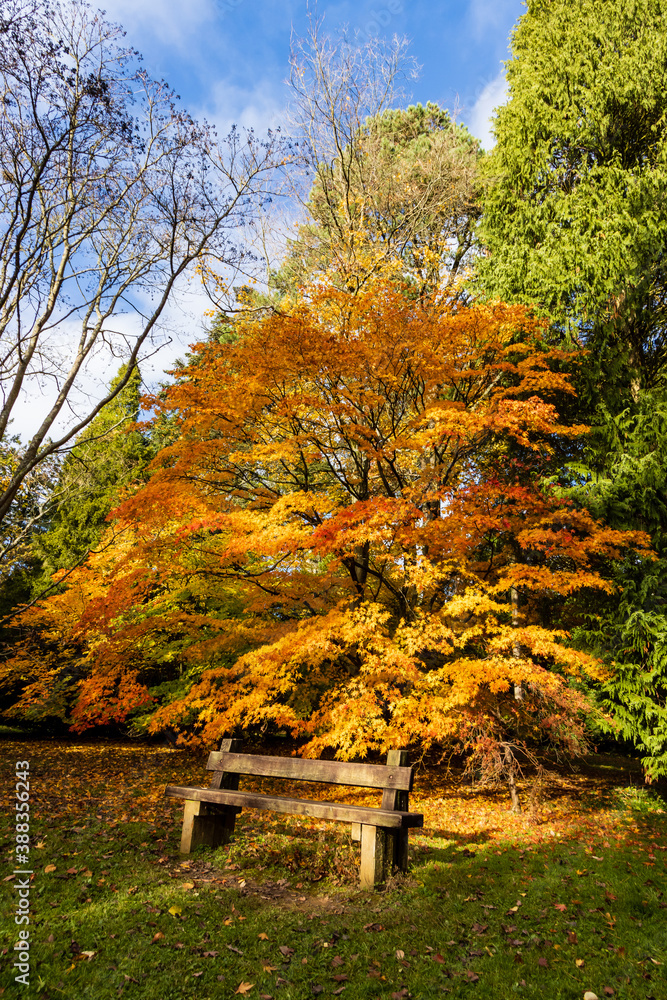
(565, 898)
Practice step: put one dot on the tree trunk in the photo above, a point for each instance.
(510, 769)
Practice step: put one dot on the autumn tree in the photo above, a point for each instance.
(109, 196)
(360, 477)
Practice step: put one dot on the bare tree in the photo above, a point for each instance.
(109, 195)
(382, 183)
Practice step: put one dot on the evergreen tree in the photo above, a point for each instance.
(105, 459)
(575, 220)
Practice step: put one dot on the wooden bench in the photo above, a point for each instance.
(210, 813)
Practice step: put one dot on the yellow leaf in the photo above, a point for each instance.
(263, 936)
(175, 911)
(244, 987)
(188, 885)
(50, 868)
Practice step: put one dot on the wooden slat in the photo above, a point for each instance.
(221, 780)
(332, 772)
(301, 807)
(396, 843)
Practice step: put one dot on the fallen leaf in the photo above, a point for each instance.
(269, 968)
(188, 885)
(244, 988)
(50, 868)
(175, 911)
(608, 991)
(285, 950)
(157, 937)
(560, 906)
(590, 996)
(337, 961)
(579, 962)
(543, 962)
(230, 947)
(263, 936)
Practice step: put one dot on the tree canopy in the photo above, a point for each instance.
(349, 538)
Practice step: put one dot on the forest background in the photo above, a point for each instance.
(409, 489)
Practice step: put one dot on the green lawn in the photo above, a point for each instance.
(567, 898)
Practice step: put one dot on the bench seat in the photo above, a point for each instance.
(335, 811)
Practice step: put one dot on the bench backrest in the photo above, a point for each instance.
(333, 772)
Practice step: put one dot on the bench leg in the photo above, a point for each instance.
(373, 870)
(397, 850)
(204, 824)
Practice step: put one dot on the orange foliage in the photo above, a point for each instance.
(349, 537)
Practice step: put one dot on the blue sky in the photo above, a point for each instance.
(228, 59)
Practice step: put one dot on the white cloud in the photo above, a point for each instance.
(171, 24)
(487, 16)
(492, 96)
(260, 107)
